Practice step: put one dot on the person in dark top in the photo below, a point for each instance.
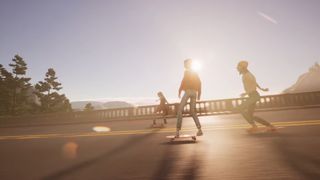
(162, 108)
(191, 85)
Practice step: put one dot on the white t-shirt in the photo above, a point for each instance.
(249, 82)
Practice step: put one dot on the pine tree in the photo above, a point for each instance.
(5, 98)
(47, 91)
(88, 107)
(18, 85)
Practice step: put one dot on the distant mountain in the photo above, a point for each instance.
(307, 82)
(79, 105)
(117, 104)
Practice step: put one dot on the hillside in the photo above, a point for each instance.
(307, 82)
(79, 105)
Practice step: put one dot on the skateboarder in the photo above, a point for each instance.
(162, 108)
(191, 85)
(247, 108)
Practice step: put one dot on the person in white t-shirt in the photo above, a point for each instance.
(248, 107)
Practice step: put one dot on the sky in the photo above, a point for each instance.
(118, 49)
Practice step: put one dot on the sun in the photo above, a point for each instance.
(196, 66)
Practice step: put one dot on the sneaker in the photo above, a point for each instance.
(252, 130)
(199, 133)
(272, 128)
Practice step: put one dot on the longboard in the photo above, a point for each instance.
(263, 130)
(182, 137)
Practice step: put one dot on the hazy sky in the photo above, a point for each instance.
(134, 48)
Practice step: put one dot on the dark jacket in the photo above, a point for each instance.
(190, 81)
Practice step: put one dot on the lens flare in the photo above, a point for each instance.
(100, 129)
(70, 150)
(196, 66)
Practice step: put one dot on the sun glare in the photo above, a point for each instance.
(100, 129)
(196, 66)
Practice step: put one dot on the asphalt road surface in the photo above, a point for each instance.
(133, 150)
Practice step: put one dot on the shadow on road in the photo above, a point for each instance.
(179, 142)
(124, 147)
(300, 153)
(179, 162)
(266, 134)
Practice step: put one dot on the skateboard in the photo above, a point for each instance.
(263, 130)
(182, 137)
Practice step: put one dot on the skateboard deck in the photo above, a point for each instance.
(182, 137)
(263, 130)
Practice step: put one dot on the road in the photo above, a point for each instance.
(133, 150)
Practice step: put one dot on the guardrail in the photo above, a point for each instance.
(203, 108)
(211, 107)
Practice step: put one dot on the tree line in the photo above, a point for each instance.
(18, 96)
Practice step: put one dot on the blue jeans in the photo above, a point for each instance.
(192, 95)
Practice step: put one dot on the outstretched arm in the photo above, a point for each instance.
(165, 100)
(181, 88)
(179, 93)
(262, 89)
(243, 94)
(199, 84)
(199, 95)
(199, 91)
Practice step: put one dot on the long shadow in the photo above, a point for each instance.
(192, 171)
(168, 164)
(280, 135)
(299, 158)
(105, 156)
(179, 142)
(266, 134)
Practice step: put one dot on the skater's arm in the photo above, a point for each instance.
(164, 99)
(243, 94)
(262, 89)
(199, 92)
(199, 87)
(183, 84)
(258, 86)
(181, 88)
